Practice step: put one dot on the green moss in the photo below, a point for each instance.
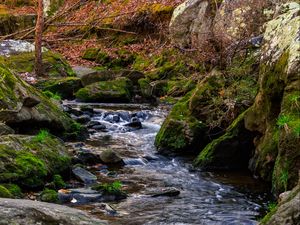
(90, 54)
(14, 189)
(28, 162)
(64, 87)
(49, 94)
(269, 215)
(141, 63)
(118, 90)
(42, 136)
(4, 193)
(49, 195)
(58, 182)
(53, 64)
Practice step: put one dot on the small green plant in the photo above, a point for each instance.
(110, 188)
(271, 206)
(296, 131)
(283, 120)
(284, 177)
(58, 182)
(294, 99)
(54, 96)
(41, 136)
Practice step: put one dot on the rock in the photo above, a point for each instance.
(287, 212)
(54, 64)
(79, 196)
(110, 157)
(83, 71)
(238, 20)
(231, 151)
(64, 87)
(15, 93)
(196, 119)
(85, 156)
(17, 211)
(31, 102)
(134, 125)
(4, 129)
(169, 192)
(118, 90)
(83, 119)
(125, 116)
(100, 127)
(28, 161)
(191, 23)
(93, 123)
(274, 115)
(97, 76)
(84, 175)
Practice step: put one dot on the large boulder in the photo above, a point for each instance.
(26, 109)
(237, 20)
(275, 113)
(118, 90)
(29, 160)
(206, 112)
(191, 24)
(16, 211)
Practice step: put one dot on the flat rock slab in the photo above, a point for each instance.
(27, 212)
(84, 175)
(82, 71)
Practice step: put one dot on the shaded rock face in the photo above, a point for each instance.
(13, 211)
(209, 25)
(191, 24)
(287, 212)
(27, 161)
(4, 129)
(237, 20)
(275, 113)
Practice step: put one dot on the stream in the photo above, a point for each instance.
(205, 198)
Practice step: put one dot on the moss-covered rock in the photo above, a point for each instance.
(275, 113)
(49, 195)
(180, 131)
(15, 110)
(118, 90)
(14, 189)
(64, 87)
(53, 64)
(5, 193)
(230, 151)
(27, 161)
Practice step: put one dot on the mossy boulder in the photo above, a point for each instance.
(28, 161)
(14, 190)
(25, 109)
(53, 64)
(64, 87)
(180, 131)
(118, 90)
(49, 195)
(275, 113)
(5, 193)
(231, 151)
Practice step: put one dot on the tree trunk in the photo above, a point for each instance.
(38, 39)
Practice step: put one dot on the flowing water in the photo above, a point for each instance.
(205, 198)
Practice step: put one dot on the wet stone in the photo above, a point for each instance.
(83, 119)
(168, 192)
(84, 175)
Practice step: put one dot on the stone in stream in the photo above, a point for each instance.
(27, 212)
(134, 125)
(87, 195)
(92, 123)
(83, 119)
(110, 157)
(85, 156)
(84, 175)
(168, 191)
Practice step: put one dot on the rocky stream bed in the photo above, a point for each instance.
(160, 190)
